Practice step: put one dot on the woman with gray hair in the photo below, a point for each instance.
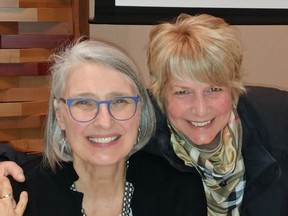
(99, 117)
(99, 114)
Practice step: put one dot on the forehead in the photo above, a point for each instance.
(185, 82)
(98, 79)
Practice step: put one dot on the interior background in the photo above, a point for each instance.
(265, 58)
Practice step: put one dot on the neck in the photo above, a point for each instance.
(102, 186)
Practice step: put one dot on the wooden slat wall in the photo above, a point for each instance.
(30, 30)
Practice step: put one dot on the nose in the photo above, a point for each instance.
(103, 117)
(200, 106)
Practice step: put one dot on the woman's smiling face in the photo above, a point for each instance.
(197, 110)
(103, 140)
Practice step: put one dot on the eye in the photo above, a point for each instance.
(181, 92)
(215, 89)
(83, 103)
(121, 103)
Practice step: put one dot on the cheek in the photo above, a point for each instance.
(225, 106)
(173, 109)
(75, 132)
(68, 124)
(224, 109)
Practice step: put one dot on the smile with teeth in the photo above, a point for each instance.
(200, 124)
(103, 139)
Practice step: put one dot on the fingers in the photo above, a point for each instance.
(5, 188)
(6, 196)
(11, 168)
(21, 205)
(7, 203)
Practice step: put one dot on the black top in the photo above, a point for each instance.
(159, 189)
(264, 117)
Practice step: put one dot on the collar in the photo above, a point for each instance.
(69, 172)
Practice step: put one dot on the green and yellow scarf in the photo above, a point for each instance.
(222, 169)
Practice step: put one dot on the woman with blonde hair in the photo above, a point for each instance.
(216, 126)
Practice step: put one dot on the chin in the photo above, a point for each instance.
(202, 142)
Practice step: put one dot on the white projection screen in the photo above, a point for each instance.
(146, 12)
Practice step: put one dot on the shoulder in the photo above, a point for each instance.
(34, 171)
(156, 169)
(40, 177)
(146, 163)
(143, 164)
(266, 109)
(159, 189)
(271, 97)
(49, 191)
(144, 159)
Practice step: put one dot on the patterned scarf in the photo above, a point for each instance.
(222, 169)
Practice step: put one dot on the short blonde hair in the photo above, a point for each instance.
(201, 47)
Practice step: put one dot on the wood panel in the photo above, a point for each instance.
(9, 3)
(23, 108)
(30, 30)
(24, 94)
(54, 14)
(35, 3)
(24, 69)
(24, 55)
(33, 121)
(36, 14)
(44, 3)
(33, 41)
(28, 145)
(81, 25)
(52, 28)
(24, 82)
(22, 133)
(8, 28)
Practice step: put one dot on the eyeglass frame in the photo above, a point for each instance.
(69, 101)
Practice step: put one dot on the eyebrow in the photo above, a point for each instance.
(108, 96)
(179, 87)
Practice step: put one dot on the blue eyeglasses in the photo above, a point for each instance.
(86, 109)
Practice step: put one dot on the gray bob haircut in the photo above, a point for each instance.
(65, 60)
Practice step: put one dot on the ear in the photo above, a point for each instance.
(59, 115)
